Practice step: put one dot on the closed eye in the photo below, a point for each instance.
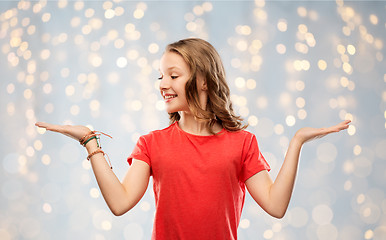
(174, 77)
(160, 78)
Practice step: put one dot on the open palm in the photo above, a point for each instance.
(75, 132)
(307, 134)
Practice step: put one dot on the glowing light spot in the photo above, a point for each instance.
(132, 54)
(46, 17)
(38, 145)
(191, 26)
(86, 29)
(47, 208)
(253, 120)
(280, 48)
(28, 94)
(119, 43)
(94, 193)
(78, 5)
(341, 49)
(302, 28)
(145, 206)
(11, 109)
(153, 48)
(369, 234)
(322, 214)
(282, 25)
(30, 151)
(349, 116)
(136, 105)
(106, 225)
(351, 49)
(351, 130)
(373, 19)
(244, 223)
(262, 102)
(357, 150)
(240, 82)
(46, 160)
(10, 88)
(347, 68)
(94, 105)
(109, 13)
(121, 62)
(242, 45)
(138, 13)
(74, 110)
(322, 65)
(278, 129)
(207, 6)
(300, 102)
(70, 90)
(251, 84)
(95, 60)
(344, 81)
(268, 234)
(347, 185)
(302, 114)
(290, 120)
(302, 11)
(198, 10)
(300, 85)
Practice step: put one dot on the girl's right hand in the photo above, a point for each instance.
(75, 132)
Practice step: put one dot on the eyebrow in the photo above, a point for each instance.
(170, 68)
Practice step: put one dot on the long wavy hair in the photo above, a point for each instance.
(203, 59)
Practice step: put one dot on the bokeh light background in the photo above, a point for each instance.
(289, 64)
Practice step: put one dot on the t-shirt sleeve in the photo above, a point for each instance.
(140, 152)
(253, 161)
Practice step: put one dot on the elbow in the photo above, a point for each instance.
(119, 211)
(278, 214)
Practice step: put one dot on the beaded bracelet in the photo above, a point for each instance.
(88, 137)
(99, 151)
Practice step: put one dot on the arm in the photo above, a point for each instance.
(274, 197)
(120, 197)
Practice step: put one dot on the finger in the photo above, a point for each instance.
(49, 126)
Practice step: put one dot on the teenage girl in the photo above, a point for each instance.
(203, 161)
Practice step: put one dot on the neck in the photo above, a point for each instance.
(190, 124)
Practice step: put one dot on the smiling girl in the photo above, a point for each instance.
(202, 163)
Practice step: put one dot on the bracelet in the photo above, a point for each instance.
(99, 151)
(91, 138)
(86, 138)
(95, 152)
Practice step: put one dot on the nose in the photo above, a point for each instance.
(164, 84)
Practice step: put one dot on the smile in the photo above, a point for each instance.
(169, 97)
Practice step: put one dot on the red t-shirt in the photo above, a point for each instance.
(198, 181)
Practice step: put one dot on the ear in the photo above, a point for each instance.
(201, 82)
(204, 86)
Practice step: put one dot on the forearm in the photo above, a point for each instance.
(281, 190)
(110, 186)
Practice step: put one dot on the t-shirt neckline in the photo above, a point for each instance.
(194, 135)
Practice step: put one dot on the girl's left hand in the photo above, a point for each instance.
(308, 134)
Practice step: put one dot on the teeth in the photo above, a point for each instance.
(170, 96)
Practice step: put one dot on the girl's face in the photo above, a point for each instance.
(175, 73)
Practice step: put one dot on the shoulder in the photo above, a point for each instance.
(159, 133)
(241, 134)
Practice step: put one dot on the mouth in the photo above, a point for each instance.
(169, 97)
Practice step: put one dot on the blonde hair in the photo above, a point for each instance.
(203, 59)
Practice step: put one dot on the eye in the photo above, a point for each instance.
(160, 77)
(174, 77)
